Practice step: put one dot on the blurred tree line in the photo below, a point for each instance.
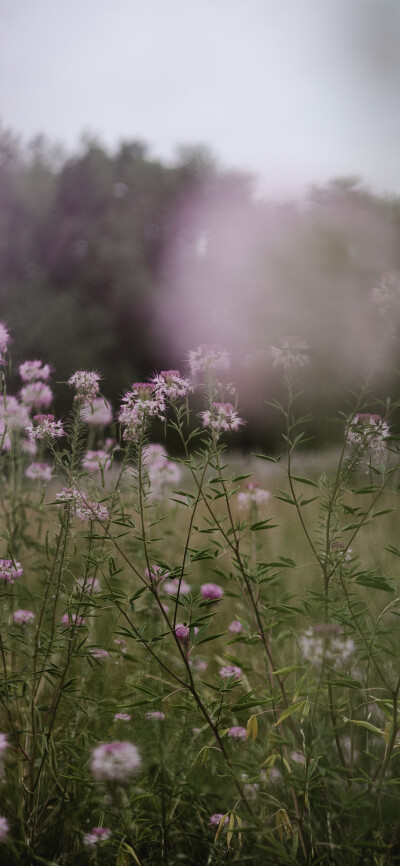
(121, 263)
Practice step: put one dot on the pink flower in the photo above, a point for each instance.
(290, 354)
(4, 828)
(235, 627)
(99, 653)
(182, 632)
(95, 461)
(170, 384)
(222, 417)
(97, 413)
(211, 591)
(36, 394)
(32, 370)
(115, 762)
(97, 835)
(122, 717)
(45, 427)
(9, 570)
(4, 744)
(206, 358)
(172, 587)
(71, 620)
(230, 671)
(89, 585)
(92, 511)
(237, 732)
(86, 384)
(254, 496)
(140, 404)
(13, 416)
(215, 819)
(155, 715)
(369, 433)
(156, 573)
(38, 471)
(4, 340)
(22, 617)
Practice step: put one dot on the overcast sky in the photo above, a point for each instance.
(297, 91)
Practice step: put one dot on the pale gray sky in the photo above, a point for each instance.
(297, 91)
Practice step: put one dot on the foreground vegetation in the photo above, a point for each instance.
(194, 670)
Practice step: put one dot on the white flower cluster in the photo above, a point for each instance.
(324, 643)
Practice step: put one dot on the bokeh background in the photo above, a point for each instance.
(211, 171)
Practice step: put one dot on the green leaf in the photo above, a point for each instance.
(304, 481)
(366, 725)
(298, 707)
(262, 524)
(374, 582)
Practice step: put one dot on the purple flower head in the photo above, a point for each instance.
(23, 617)
(71, 620)
(182, 632)
(99, 653)
(139, 404)
(45, 427)
(206, 358)
(172, 587)
(95, 461)
(170, 384)
(4, 340)
(38, 471)
(30, 371)
(211, 591)
(235, 627)
(115, 762)
(9, 570)
(215, 819)
(290, 354)
(97, 413)
(96, 835)
(222, 418)
(237, 732)
(230, 671)
(86, 384)
(36, 395)
(155, 715)
(4, 828)
(122, 717)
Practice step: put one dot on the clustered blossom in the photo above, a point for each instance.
(237, 732)
(139, 404)
(85, 510)
(4, 340)
(115, 762)
(97, 413)
(254, 495)
(23, 617)
(30, 371)
(37, 471)
(170, 384)
(230, 671)
(222, 416)
(182, 632)
(70, 620)
(4, 828)
(9, 570)
(86, 384)
(206, 358)
(155, 715)
(211, 591)
(45, 427)
(235, 627)
(122, 717)
(99, 653)
(172, 587)
(290, 354)
(96, 835)
(369, 432)
(324, 642)
(216, 819)
(156, 573)
(95, 461)
(36, 395)
(162, 473)
(13, 416)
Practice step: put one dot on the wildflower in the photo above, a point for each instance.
(216, 818)
(115, 762)
(4, 744)
(211, 591)
(97, 413)
(89, 585)
(95, 461)
(237, 732)
(30, 371)
(68, 496)
(4, 338)
(235, 627)
(297, 757)
(92, 511)
(162, 473)
(369, 433)
(156, 573)
(254, 495)
(206, 358)
(97, 835)
(13, 416)
(119, 641)
(222, 416)
(38, 471)
(122, 717)
(4, 828)
(86, 383)
(36, 394)
(23, 617)
(340, 551)
(199, 665)
(152, 453)
(230, 671)
(324, 641)
(45, 427)
(9, 570)
(170, 384)
(71, 620)
(173, 587)
(290, 354)
(155, 715)
(28, 447)
(99, 653)
(182, 632)
(139, 404)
